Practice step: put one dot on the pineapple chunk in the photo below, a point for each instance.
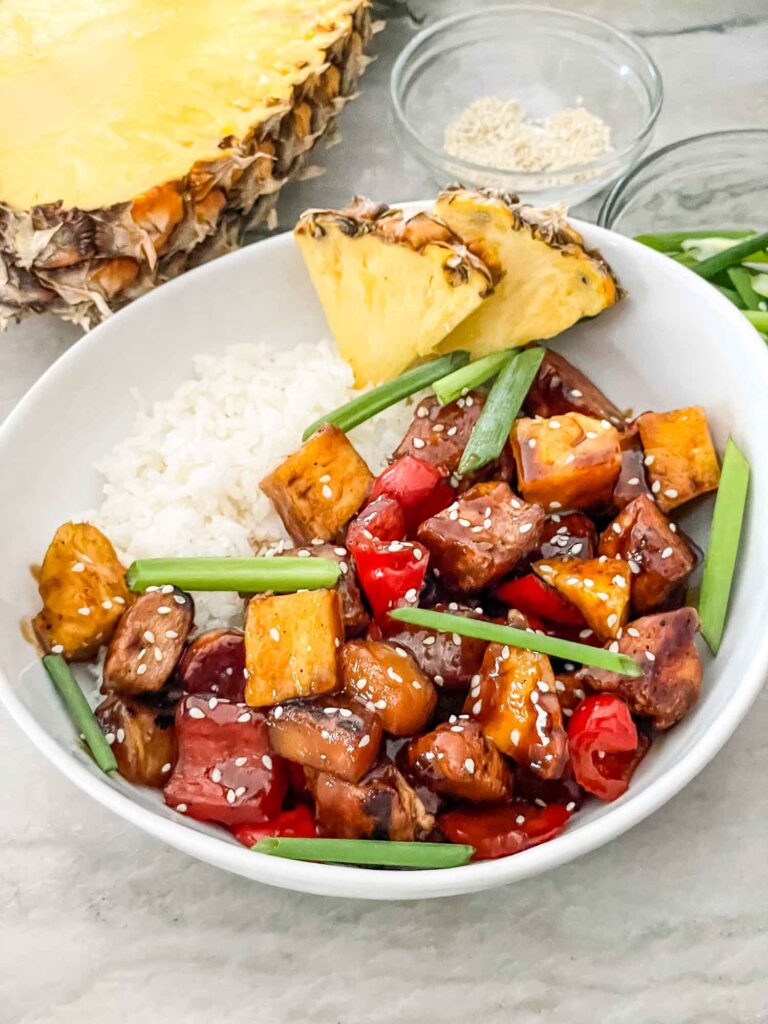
(568, 461)
(392, 286)
(82, 585)
(598, 587)
(318, 489)
(679, 455)
(549, 279)
(292, 646)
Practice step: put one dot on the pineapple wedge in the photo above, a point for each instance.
(139, 138)
(549, 280)
(392, 286)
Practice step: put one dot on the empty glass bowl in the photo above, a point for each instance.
(546, 59)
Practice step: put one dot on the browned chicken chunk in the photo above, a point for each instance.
(568, 461)
(214, 663)
(450, 660)
(318, 489)
(560, 387)
(142, 737)
(148, 642)
(458, 760)
(354, 612)
(381, 806)
(481, 537)
(672, 671)
(658, 554)
(292, 644)
(336, 734)
(389, 681)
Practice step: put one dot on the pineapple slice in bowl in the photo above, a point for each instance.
(549, 279)
(392, 285)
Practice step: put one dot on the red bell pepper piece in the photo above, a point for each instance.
(533, 596)
(391, 574)
(225, 770)
(501, 830)
(421, 490)
(382, 519)
(299, 823)
(604, 745)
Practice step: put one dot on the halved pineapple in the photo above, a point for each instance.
(138, 138)
(549, 280)
(392, 285)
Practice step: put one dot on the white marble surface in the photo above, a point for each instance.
(670, 923)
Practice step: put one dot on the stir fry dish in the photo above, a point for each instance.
(455, 654)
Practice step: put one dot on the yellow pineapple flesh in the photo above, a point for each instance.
(549, 280)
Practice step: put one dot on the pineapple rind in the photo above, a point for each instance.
(83, 264)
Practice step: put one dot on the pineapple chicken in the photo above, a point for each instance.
(549, 280)
(392, 286)
(140, 138)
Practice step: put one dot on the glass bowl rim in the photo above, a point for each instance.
(654, 83)
(606, 215)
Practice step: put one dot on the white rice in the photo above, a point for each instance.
(186, 481)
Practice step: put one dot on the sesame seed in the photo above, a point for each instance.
(78, 567)
(613, 647)
(149, 636)
(303, 553)
(619, 581)
(649, 460)
(415, 684)
(469, 764)
(451, 432)
(531, 442)
(631, 631)
(438, 428)
(325, 478)
(547, 569)
(584, 633)
(555, 504)
(231, 796)
(163, 610)
(422, 411)
(380, 704)
(181, 808)
(633, 567)
(364, 741)
(106, 605)
(326, 491)
(477, 529)
(266, 760)
(166, 767)
(655, 486)
(615, 527)
(505, 652)
(520, 819)
(633, 481)
(330, 711)
(278, 711)
(650, 656)
(213, 703)
(240, 791)
(141, 653)
(418, 554)
(194, 712)
(464, 522)
(515, 736)
(601, 595)
(477, 707)
(438, 680)
(84, 611)
(275, 634)
(151, 590)
(554, 424)
(456, 639)
(567, 712)
(588, 583)
(411, 596)
(345, 712)
(428, 641)
(179, 599)
(141, 670)
(543, 685)
(419, 442)
(573, 581)
(539, 802)
(245, 717)
(570, 806)
(576, 549)
(526, 527)
(670, 492)
(171, 634)
(559, 686)
(457, 728)
(575, 393)
(158, 654)
(402, 653)
(57, 649)
(667, 553)
(534, 697)
(110, 738)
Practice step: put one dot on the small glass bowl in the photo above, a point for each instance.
(548, 60)
(718, 180)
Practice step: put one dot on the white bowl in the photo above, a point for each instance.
(674, 341)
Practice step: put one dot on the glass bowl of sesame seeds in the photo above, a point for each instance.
(546, 103)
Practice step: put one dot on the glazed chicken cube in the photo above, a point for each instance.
(142, 737)
(148, 642)
(481, 537)
(599, 588)
(679, 455)
(560, 387)
(318, 489)
(292, 644)
(214, 664)
(568, 461)
(438, 434)
(354, 612)
(632, 480)
(458, 760)
(380, 806)
(656, 551)
(226, 770)
(390, 682)
(450, 660)
(672, 671)
(335, 734)
(515, 703)
(82, 586)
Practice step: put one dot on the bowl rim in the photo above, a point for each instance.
(327, 879)
(606, 214)
(528, 179)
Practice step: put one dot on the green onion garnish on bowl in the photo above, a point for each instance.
(456, 384)
(245, 575)
(672, 241)
(732, 255)
(368, 852)
(371, 402)
(491, 432)
(568, 650)
(720, 559)
(79, 711)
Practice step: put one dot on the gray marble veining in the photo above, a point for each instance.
(669, 923)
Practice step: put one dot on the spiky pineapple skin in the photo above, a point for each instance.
(82, 265)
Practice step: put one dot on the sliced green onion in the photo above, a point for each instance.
(491, 432)
(455, 384)
(741, 280)
(732, 255)
(760, 284)
(246, 575)
(597, 657)
(720, 560)
(373, 852)
(758, 318)
(367, 405)
(732, 295)
(671, 241)
(79, 711)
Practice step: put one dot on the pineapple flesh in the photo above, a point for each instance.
(392, 286)
(138, 138)
(549, 280)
